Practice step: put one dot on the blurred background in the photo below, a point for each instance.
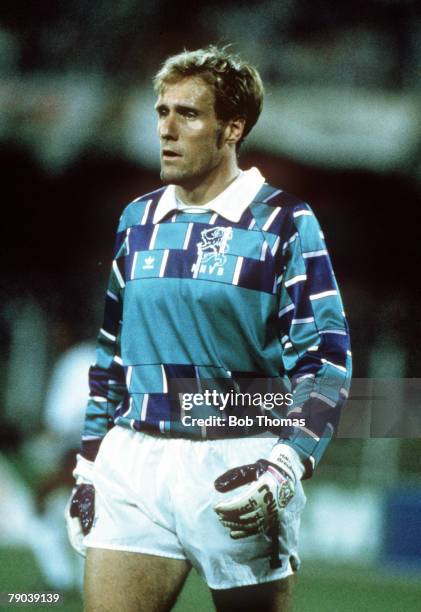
(340, 128)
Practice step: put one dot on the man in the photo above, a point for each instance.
(219, 283)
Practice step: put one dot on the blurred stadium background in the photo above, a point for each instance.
(341, 128)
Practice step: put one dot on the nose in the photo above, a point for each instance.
(167, 127)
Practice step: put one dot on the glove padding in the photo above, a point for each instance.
(80, 510)
(257, 509)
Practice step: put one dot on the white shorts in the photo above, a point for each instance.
(154, 495)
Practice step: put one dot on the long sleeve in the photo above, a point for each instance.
(314, 336)
(106, 377)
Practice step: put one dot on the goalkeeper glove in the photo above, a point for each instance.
(257, 509)
(80, 510)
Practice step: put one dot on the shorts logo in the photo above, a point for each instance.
(211, 251)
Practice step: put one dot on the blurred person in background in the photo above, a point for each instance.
(217, 275)
(33, 496)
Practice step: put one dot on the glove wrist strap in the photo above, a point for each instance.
(287, 460)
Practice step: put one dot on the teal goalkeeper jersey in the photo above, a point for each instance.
(197, 302)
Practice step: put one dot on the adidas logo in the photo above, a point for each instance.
(148, 263)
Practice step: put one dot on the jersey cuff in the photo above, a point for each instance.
(309, 447)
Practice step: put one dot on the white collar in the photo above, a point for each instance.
(231, 203)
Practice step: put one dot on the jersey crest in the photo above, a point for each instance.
(211, 250)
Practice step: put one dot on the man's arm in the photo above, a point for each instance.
(314, 336)
(107, 392)
(106, 377)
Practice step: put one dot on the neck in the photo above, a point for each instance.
(207, 188)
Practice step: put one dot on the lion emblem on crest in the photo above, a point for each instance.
(211, 250)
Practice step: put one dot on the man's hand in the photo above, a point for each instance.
(80, 510)
(258, 507)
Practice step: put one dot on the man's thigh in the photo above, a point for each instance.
(273, 596)
(131, 582)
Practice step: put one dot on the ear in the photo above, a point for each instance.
(234, 130)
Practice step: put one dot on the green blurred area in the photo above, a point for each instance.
(320, 588)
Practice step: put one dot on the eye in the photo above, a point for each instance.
(189, 114)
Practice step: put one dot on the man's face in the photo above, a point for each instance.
(191, 137)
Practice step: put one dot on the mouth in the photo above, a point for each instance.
(168, 154)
